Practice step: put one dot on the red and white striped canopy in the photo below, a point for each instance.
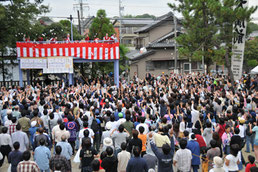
(85, 50)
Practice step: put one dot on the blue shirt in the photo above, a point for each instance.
(42, 156)
(3, 115)
(194, 147)
(67, 150)
(165, 161)
(137, 164)
(14, 158)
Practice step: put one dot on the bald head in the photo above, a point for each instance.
(63, 138)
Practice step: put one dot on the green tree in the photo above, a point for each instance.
(251, 27)
(100, 26)
(146, 15)
(15, 21)
(123, 61)
(209, 29)
(67, 29)
(251, 51)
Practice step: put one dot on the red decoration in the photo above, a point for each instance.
(85, 50)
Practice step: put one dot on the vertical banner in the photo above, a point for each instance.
(239, 31)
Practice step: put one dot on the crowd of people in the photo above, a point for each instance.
(160, 123)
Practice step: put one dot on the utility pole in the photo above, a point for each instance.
(121, 8)
(71, 20)
(80, 6)
(79, 21)
(175, 32)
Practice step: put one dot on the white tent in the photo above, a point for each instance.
(254, 70)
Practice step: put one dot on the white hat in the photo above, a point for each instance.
(33, 123)
(108, 126)
(218, 161)
(108, 142)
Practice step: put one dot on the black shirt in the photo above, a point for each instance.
(134, 142)
(110, 164)
(87, 156)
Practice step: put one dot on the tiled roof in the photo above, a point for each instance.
(138, 55)
(157, 22)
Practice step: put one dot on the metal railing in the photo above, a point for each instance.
(75, 41)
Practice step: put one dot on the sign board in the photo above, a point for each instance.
(59, 65)
(239, 31)
(33, 63)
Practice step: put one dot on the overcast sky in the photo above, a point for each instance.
(63, 8)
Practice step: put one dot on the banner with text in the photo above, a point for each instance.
(59, 65)
(239, 31)
(32, 63)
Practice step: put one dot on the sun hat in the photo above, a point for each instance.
(108, 142)
(218, 161)
(108, 126)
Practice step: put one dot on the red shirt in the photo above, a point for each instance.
(200, 140)
(100, 167)
(106, 38)
(247, 168)
(221, 129)
(87, 38)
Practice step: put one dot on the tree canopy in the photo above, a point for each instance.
(16, 19)
(101, 25)
(146, 15)
(251, 54)
(209, 29)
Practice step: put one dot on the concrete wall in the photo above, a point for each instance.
(13, 73)
(159, 54)
(140, 65)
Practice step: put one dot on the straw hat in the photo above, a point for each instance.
(218, 161)
(108, 142)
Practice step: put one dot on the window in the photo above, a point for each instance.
(127, 41)
(194, 65)
(164, 64)
(149, 66)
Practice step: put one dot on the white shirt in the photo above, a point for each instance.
(242, 131)
(7, 123)
(183, 157)
(55, 130)
(232, 163)
(81, 135)
(145, 126)
(113, 124)
(5, 139)
(123, 159)
(182, 126)
(195, 116)
(58, 115)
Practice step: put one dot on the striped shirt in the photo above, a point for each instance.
(27, 166)
(12, 128)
